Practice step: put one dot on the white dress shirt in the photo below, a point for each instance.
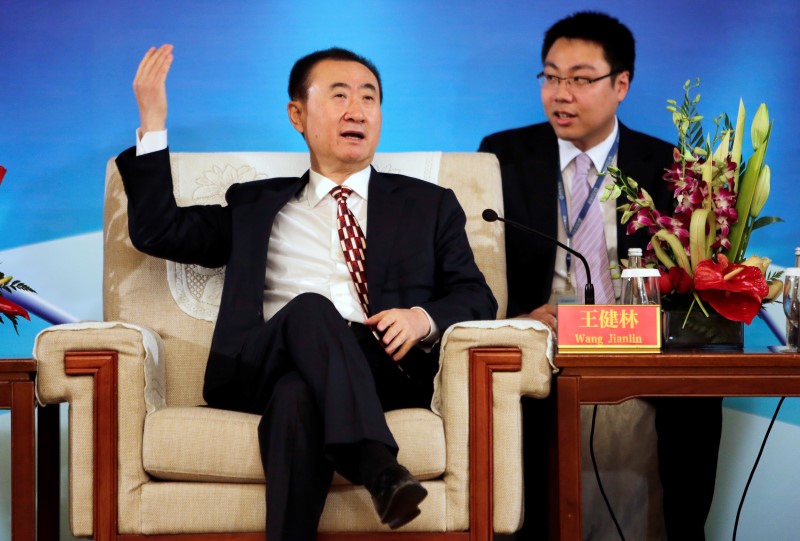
(304, 251)
(567, 153)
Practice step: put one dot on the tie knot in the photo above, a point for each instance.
(341, 193)
(583, 163)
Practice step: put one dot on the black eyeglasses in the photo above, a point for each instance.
(553, 81)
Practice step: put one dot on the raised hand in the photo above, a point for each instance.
(150, 88)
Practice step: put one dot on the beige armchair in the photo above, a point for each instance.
(145, 459)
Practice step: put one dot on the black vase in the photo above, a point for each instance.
(684, 329)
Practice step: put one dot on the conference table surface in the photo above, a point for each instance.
(605, 378)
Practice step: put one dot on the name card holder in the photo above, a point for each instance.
(609, 328)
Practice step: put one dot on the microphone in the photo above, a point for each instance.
(588, 293)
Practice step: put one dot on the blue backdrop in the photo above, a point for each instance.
(453, 72)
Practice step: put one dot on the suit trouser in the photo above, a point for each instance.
(322, 387)
(689, 432)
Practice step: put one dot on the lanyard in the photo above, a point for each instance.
(562, 199)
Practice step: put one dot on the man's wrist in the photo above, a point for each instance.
(433, 329)
(151, 141)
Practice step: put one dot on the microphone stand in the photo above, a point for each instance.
(588, 293)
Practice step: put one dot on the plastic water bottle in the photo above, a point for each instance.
(639, 285)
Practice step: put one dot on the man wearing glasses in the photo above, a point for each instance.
(550, 182)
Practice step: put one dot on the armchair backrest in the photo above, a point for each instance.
(178, 302)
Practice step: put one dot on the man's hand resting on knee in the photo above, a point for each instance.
(400, 329)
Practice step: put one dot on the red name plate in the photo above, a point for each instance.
(609, 328)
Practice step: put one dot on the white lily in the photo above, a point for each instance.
(722, 149)
(748, 181)
(761, 192)
(736, 150)
(759, 130)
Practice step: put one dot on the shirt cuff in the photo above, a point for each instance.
(433, 334)
(152, 141)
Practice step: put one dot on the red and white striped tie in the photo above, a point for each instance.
(590, 238)
(353, 243)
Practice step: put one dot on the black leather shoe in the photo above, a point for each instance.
(396, 496)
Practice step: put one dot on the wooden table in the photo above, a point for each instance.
(17, 394)
(614, 378)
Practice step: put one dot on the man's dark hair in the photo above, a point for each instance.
(301, 71)
(619, 47)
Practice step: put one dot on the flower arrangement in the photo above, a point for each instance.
(9, 309)
(700, 247)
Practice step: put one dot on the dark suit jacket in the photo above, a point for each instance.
(418, 253)
(529, 164)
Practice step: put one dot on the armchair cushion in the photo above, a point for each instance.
(212, 445)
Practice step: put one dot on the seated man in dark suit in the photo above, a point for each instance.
(588, 64)
(315, 332)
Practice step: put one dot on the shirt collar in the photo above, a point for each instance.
(567, 151)
(319, 186)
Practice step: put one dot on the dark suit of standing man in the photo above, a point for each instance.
(318, 365)
(588, 62)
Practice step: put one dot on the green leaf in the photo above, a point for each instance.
(13, 320)
(25, 287)
(738, 234)
(774, 275)
(764, 221)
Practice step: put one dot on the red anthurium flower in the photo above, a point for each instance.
(735, 291)
(10, 308)
(681, 280)
(2, 173)
(664, 283)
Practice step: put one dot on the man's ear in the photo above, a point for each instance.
(295, 111)
(622, 84)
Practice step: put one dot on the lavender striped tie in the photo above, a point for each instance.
(590, 238)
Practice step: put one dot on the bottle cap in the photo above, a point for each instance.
(640, 273)
(637, 251)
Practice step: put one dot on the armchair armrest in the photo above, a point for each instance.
(131, 363)
(523, 365)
